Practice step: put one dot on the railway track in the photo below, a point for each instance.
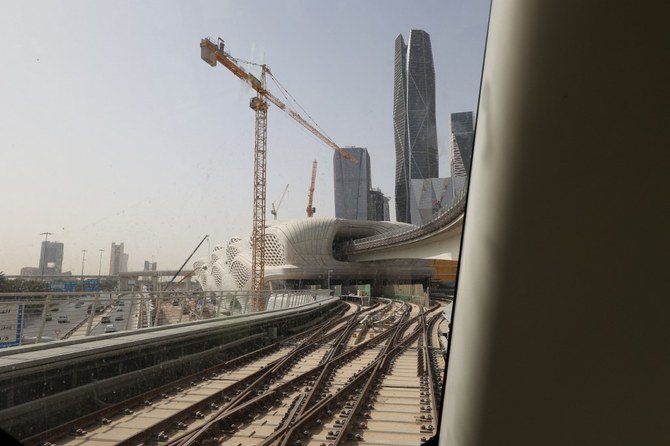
(366, 376)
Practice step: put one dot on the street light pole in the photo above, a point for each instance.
(100, 264)
(83, 258)
(329, 271)
(100, 268)
(44, 251)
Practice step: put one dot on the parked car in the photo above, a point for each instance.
(119, 317)
(78, 304)
(122, 303)
(48, 318)
(63, 319)
(105, 320)
(119, 310)
(110, 328)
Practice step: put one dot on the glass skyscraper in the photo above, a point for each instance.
(414, 127)
(352, 183)
(462, 138)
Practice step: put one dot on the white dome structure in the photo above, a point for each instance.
(297, 250)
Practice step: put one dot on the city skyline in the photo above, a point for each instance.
(111, 145)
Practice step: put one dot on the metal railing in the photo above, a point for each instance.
(438, 220)
(28, 318)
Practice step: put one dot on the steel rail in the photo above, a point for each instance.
(272, 373)
(360, 385)
(239, 390)
(346, 421)
(281, 435)
(99, 416)
(225, 420)
(102, 414)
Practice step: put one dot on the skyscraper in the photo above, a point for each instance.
(118, 260)
(51, 257)
(352, 183)
(414, 127)
(462, 138)
(150, 266)
(378, 205)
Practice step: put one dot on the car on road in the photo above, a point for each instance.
(78, 304)
(63, 319)
(119, 317)
(110, 328)
(105, 320)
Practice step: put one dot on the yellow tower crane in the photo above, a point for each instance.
(310, 209)
(212, 53)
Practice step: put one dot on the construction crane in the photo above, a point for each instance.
(212, 53)
(311, 210)
(274, 211)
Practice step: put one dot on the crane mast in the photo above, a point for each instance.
(258, 231)
(214, 53)
(310, 209)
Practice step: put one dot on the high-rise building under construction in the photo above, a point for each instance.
(414, 126)
(118, 260)
(51, 258)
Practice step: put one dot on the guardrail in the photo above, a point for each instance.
(28, 318)
(438, 220)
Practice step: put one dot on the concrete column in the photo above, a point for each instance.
(561, 312)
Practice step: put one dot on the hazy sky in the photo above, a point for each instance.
(112, 129)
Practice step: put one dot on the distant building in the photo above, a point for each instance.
(414, 126)
(30, 271)
(150, 266)
(352, 183)
(378, 206)
(462, 139)
(118, 260)
(428, 196)
(355, 199)
(51, 258)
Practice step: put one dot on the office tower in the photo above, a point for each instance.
(150, 266)
(118, 260)
(414, 127)
(462, 138)
(378, 205)
(51, 257)
(352, 183)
